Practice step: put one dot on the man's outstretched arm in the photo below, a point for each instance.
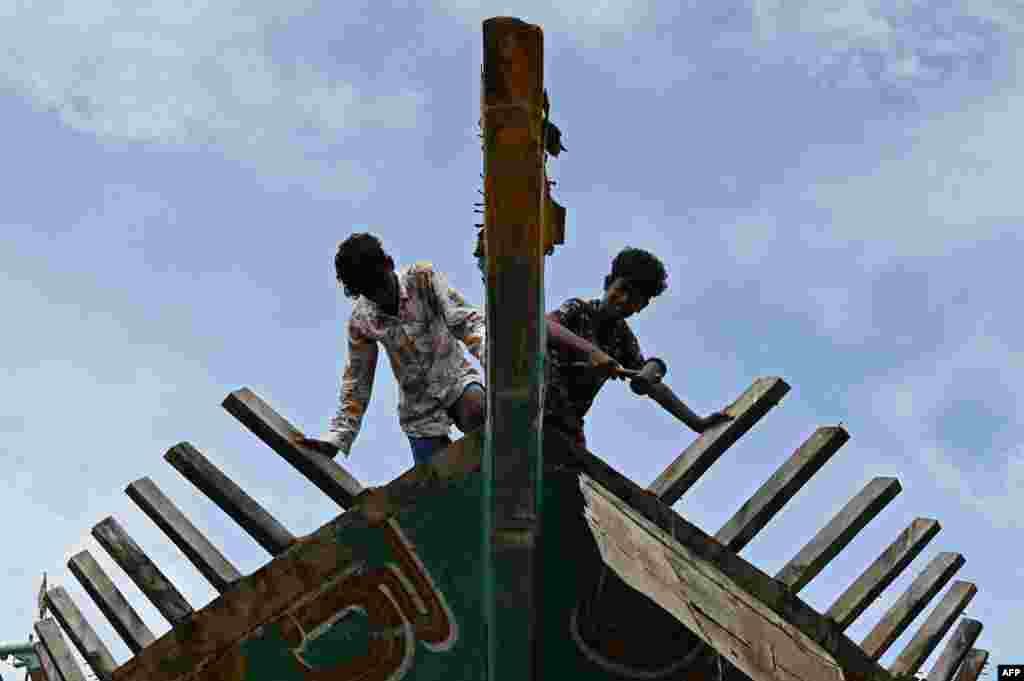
(667, 399)
(356, 389)
(560, 336)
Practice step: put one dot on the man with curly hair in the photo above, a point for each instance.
(419, 320)
(636, 278)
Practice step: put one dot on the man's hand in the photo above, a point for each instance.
(714, 419)
(322, 446)
(602, 364)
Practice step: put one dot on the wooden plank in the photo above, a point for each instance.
(934, 628)
(781, 487)
(752, 620)
(52, 640)
(111, 602)
(696, 459)
(137, 565)
(210, 562)
(511, 112)
(910, 604)
(973, 665)
(81, 633)
(232, 499)
(46, 664)
(951, 657)
(881, 573)
(839, 532)
(281, 436)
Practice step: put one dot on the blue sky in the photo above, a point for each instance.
(834, 188)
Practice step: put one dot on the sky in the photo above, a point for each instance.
(834, 188)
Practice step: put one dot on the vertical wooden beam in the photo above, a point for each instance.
(232, 499)
(137, 565)
(281, 436)
(52, 640)
(910, 604)
(210, 562)
(695, 460)
(111, 602)
(881, 573)
(935, 627)
(48, 668)
(973, 665)
(81, 633)
(512, 111)
(780, 487)
(956, 650)
(839, 532)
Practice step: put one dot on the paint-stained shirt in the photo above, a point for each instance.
(422, 345)
(571, 390)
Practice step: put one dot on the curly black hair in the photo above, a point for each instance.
(359, 258)
(643, 270)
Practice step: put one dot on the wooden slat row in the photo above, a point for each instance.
(696, 459)
(973, 665)
(59, 653)
(934, 628)
(137, 565)
(210, 562)
(281, 436)
(838, 533)
(769, 499)
(956, 650)
(111, 602)
(81, 633)
(910, 604)
(881, 573)
(232, 499)
(46, 662)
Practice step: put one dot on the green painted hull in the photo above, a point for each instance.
(436, 629)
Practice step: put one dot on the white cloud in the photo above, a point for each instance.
(867, 43)
(1001, 507)
(195, 74)
(909, 405)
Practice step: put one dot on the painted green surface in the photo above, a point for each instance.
(446, 529)
(23, 653)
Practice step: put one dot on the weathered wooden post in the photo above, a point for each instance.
(512, 114)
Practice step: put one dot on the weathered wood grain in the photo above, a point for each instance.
(512, 114)
(282, 437)
(232, 499)
(52, 640)
(210, 562)
(934, 628)
(881, 573)
(727, 602)
(696, 459)
(110, 601)
(839, 532)
(910, 604)
(959, 644)
(973, 665)
(49, 669)
(137, 565)
(81, 633)
(781, 487)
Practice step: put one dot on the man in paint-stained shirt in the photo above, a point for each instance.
(419, 320)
